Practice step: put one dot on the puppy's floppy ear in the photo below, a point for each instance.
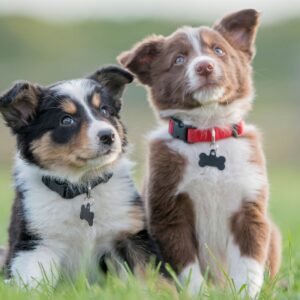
(18, 104)
(113, 78)
(140, 58)
(239, 29)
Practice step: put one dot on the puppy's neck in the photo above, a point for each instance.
(25, 170)
(211, 114)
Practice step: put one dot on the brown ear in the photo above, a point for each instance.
(139, 59)
(18, 105)
(239, 29)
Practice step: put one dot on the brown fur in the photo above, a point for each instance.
(172, 219)
(152, 60)
(240, 30)
(274, 255)
(256, 236)
(257, 156)
(251, 230)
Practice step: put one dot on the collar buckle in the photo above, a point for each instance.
(180, 130)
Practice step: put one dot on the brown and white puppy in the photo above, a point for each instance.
(76, 204)
(202, 216)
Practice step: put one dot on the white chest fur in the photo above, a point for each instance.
(216, 194)
(57, 221)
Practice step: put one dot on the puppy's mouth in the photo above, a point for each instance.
(99, 154)
(208, 91)
(206, 84)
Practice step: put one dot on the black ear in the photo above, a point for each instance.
(139, 59)
(18, 104)
(239, 29)
(113, 78)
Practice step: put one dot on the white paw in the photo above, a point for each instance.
(192, 278)
(8, 281)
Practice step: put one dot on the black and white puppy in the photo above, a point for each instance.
(76, 203)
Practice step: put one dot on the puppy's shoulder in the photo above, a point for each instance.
(253, 134)
(254, 138)
(162, 154)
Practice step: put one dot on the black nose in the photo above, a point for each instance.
(106, 137)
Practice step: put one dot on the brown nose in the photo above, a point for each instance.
(204, 68)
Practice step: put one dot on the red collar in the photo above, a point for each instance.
(192, 135)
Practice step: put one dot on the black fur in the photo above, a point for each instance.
(43, 111)
(139, 249)
(33, 111)
(20, 237)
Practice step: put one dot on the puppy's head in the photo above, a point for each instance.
(70, 125)
(196, 66)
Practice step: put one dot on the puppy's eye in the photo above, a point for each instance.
(67, 121)
(105, 111)
(219, 51)
(180, 60)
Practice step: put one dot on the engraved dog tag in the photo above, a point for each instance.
(212, 160)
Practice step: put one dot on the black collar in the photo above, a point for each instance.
(68, 190)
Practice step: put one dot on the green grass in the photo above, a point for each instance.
(45, 52)
(284, 208)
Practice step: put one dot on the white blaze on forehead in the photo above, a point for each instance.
(77, 90)
(194, 80)
(193, 35)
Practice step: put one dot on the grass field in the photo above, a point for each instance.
(284, 208)
(46, 52)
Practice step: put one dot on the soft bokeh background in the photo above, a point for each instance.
(47, 41)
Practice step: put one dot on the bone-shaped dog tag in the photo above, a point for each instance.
(212, 160)
(87, 214)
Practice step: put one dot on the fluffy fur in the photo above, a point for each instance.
(203, 217)
(72, 131)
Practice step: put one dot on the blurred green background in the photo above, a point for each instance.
(47, 52)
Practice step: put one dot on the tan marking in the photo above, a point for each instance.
(171, 217)
(137, 216)
(69, 107)
(121, 130)
(96, 100)
(72, 155)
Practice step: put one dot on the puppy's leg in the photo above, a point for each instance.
(137, 250)
(248, 247)
(171, 215)
(191, 274)
(31, 268)
(175, 235)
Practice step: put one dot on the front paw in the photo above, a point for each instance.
(249, 284)
(192, 279)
